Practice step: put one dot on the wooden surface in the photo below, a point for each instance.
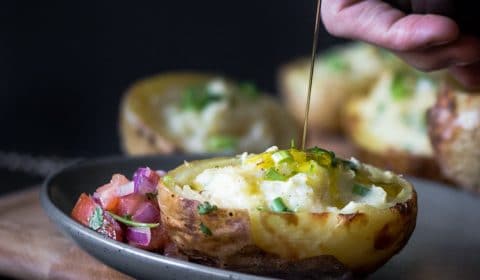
(31, 247)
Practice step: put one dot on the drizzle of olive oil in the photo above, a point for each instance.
(312, 66)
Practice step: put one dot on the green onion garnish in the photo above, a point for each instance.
(400, 87)
(322, 156)
(96, 220)
(197, 98)
(281, 156)
(360, 190)
(205, 229)
(336, 62)
(249, 89)
(205, 208)
(278, 205)
(131, 223)
(221, 143)
(273, 175)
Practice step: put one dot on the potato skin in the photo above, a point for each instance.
(364, 240)
(231, 245)
(454, 129)
(144, 131)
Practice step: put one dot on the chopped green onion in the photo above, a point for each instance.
(131, 223)
(197, 98)
(279, 206)
(96, 220)
(249, 89)
(400, 87)
(336, 62)
(281, 156)
(205, 208)
(221, 143)
(360, 190)
(273, 175)
(322, 156)
(205, 229)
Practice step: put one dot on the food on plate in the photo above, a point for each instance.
(388, 126)
(201, 113)
(283, 213)
(125, 210)
(341, 72)
(287, 212)
(454, 128)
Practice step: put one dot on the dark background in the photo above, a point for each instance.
(65, 64)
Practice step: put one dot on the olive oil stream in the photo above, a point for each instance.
(312, 67)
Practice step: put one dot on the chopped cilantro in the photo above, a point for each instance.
(205, 229)
(96, 220)
(205, 208)
(127, 221)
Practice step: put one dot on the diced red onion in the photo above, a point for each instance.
(96, 197)
(126, 189)
(146, 213)
(145, 180)
(139, 235)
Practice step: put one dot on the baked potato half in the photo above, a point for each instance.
(201, 113)
(388, 126)
(288, 213)
(454, 129)
(341, 72)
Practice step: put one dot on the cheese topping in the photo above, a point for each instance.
(313, 181)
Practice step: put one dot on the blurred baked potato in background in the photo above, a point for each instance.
(341, 72)
(454, 129)
(190, 112)
(388, 126)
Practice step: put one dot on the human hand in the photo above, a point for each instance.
(427, 42)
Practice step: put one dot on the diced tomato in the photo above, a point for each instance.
(129, 204)
(83, 210)
(107, 194)
(111, 228)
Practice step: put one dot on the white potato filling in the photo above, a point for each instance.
(243, 187)
(193, 129)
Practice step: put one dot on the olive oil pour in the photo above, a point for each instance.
(312, 66)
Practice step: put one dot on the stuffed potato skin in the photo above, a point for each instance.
(196, 112)
(320, 244)
(454, 129)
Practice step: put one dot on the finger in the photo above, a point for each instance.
(468, 76)
(378, 23)
(463, 52)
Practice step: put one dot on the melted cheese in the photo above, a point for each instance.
(244, 186)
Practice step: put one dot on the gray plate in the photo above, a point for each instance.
(445, 244)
